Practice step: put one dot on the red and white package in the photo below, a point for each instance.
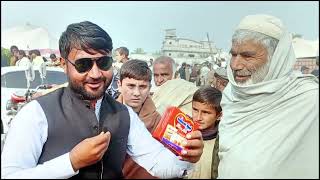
(173, 128)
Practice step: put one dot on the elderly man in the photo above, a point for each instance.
(221, 79)
(270, 123)
(164, 69)
(170, 91)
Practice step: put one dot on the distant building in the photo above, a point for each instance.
(308, 62)
(145, 57)
(186, 50)
(306, 52)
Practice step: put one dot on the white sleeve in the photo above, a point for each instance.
(23, 146)
(151, 154)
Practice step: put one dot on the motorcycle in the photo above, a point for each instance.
(21, 98)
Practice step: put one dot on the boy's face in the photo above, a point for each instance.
(204, 114)
(119, 57)
(134, 92)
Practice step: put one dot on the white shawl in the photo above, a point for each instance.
(271, 129)
(175, 92)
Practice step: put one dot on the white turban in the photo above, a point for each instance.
(266, 24)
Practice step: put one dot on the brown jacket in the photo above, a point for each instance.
(151, 118)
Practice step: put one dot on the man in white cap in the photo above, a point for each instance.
(171, 91)
(270, 123)
(221, 78)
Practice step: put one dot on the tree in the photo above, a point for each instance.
(5, 56)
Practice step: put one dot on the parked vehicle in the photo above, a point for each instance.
(18, 84)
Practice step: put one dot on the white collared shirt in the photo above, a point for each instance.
(23, 62)
(28, 133)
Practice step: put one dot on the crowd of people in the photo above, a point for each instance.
(32, 57)
(257, 117)
(196, 73)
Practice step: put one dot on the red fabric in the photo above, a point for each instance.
(132, 170)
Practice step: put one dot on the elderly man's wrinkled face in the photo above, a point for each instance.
(249, 62)
(162, 73)
(220, 83)
(91, 84)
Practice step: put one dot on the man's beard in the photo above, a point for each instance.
(257, 74)
(87, 95)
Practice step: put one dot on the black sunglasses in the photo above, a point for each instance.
(85, 64)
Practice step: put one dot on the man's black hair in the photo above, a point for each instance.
(53, 56)
(123, 50)
(85, 36)
(13, 47)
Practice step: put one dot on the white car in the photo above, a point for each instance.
(13, 81)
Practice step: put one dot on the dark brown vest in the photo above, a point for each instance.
(71, 120)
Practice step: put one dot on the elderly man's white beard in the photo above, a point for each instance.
(257, 76)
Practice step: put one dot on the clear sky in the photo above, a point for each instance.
(137, 24)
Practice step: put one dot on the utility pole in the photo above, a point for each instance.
(211, 52)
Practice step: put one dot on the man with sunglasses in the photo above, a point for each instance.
(79, 131)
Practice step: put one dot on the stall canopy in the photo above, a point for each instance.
(28, 37)
(305, 48)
